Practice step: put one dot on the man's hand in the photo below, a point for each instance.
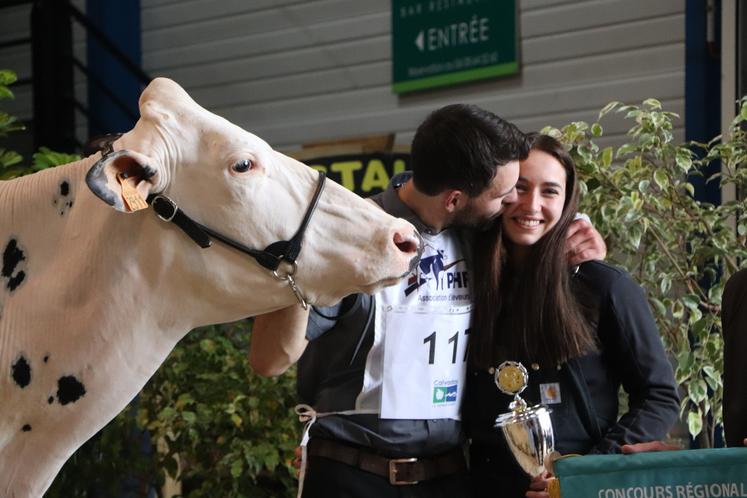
(584, 243)
(630, 449)
(538, 486)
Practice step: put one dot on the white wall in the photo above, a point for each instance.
(296, 71)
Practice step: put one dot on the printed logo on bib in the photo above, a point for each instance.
(445, 392)
(438, 275)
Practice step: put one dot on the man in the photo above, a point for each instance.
(385, 374)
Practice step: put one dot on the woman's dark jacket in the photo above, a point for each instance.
(585, 418)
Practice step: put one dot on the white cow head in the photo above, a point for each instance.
(234, 183)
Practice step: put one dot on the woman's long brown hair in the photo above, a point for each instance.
(529, 313)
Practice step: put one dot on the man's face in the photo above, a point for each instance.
(481, 210)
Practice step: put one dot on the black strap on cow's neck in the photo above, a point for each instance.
(270, 258)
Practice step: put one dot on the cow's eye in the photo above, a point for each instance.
(243, 166)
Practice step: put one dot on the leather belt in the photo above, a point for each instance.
(399, 471)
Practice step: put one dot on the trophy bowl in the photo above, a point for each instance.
(529, 436)
(527, 430)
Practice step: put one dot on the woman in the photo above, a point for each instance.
(582, 332)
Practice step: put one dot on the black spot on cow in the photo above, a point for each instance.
(46, 358)
(63, 199)
(26, 428)
(50, 400)
(21, 372)
(69, 390)
(13, 256)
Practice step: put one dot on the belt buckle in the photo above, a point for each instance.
(393, 471)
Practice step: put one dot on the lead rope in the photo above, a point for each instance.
(306, 414)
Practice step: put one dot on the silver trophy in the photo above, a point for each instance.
(528, 430)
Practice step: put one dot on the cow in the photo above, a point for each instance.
(185, 220)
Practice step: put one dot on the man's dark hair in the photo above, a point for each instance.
(459, 146)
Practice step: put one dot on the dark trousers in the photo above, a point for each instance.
(330, 479)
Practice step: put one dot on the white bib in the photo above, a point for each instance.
(416, 366)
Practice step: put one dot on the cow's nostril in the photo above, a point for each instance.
(408, 244)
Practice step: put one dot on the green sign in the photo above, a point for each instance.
(705, 473)
(443, 42)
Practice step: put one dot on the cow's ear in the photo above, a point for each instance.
(120, 174)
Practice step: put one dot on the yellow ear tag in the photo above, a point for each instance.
(132, 198)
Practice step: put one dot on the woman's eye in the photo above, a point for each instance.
(243, 166)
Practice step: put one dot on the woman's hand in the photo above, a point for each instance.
(584, 243)
(538, 486)
(630, 449)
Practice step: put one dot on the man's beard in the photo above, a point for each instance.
(467, 218)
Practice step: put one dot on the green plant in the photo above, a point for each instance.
(8, 123)
(11, 161)
(681, 250)
(232, 431)
(117, 459)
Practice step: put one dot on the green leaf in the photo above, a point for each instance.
(7, 77)
(596, 130)
(665, 284)
(237, 420)
(691, 301)
(661, 179)
(189, 417)
(652, 103)
(606, 109)
(684, 162)
(697, 390)
(207, 345)
(658, 306)
(237, 467)
(607, 157)
(694, 423)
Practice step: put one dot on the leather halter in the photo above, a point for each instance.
(282, 251)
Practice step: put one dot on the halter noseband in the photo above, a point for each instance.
(282, 251)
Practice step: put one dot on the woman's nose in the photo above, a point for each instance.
(533, 203)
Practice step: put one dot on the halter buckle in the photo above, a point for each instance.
(169, 201)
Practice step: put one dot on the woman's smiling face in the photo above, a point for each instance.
(541, 192)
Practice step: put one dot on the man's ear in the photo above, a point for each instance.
(454, 200)
(116, 173)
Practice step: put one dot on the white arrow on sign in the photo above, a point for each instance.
(419, 41)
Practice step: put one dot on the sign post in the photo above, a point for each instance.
(444, 42)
